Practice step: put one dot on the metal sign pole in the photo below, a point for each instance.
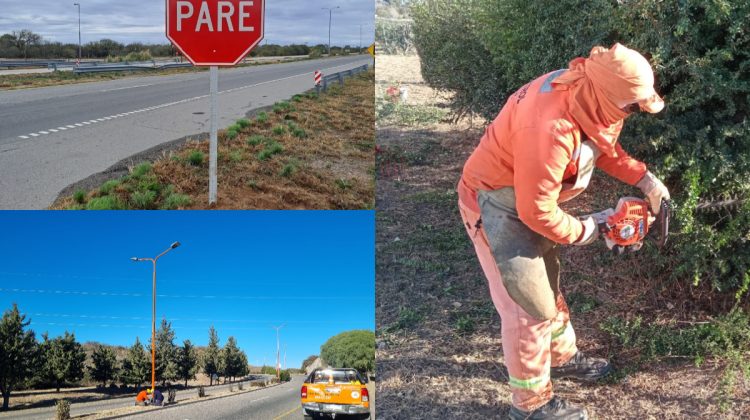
(214, 143)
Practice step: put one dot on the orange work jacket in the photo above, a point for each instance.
(533, 146)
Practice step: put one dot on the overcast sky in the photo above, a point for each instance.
(287, 21)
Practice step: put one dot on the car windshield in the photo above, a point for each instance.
(335, 377)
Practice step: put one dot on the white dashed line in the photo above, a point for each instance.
(151, 108)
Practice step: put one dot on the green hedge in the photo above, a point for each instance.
(484, 50)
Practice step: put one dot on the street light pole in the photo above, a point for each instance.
(153, 311)
(79, 30)
(278, 361)
(330, 18)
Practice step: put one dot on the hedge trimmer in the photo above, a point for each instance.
(625, 227)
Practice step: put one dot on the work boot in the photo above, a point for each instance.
(556, 408)
(581, 367)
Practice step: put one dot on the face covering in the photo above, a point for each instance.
(596, 84)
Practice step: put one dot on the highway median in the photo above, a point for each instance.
(314, 151)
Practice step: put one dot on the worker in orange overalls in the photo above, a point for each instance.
(143, 397)
(540, 151)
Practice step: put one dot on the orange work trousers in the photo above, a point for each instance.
(530, 346)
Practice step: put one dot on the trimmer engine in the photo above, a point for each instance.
(632, 221)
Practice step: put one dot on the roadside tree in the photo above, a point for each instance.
(351, 349)
(187, 361)
(166, 355)
(105, 364)
(18, 350)
(232, 357)
(307, 362)
(63, 360)
(212, 355)
(136, 368)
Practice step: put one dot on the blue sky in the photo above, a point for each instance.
(287, 21)
(242, 271)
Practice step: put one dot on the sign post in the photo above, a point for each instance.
(215, 33)
(213, 147)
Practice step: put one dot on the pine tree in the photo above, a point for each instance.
(63, 359)
(232, 359)
(187, 361)
(212, 356)
(166, 356)
(136, 368)
(105, 364)
(18, 351)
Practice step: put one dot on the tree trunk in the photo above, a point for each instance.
(58, 386)
(186, 382)
(6, 399)
(211, 379)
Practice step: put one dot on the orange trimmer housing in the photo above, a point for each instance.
(630, 223)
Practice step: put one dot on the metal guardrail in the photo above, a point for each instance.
(339, 77)
(26, 63)
(127, 66)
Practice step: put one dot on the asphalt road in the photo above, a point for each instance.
(52, 137)
(280, 402)
(76, 409)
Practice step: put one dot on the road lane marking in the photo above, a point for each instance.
(126, 87)
(290, 412)
(112, 117)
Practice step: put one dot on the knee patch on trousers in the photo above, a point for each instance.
(528, 262)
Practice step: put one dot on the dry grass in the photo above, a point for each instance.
(439, 351)
(320, 158)
(35, 80)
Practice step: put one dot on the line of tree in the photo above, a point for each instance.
(26, 363)
(26, 44)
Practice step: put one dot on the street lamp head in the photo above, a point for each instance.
(133, 259)
(175, 245)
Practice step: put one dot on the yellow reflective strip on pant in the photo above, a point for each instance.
(560, 331)
(531, 383)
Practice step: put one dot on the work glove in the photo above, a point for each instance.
(654, 190)
(591, 226)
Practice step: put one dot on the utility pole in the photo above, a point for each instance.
(330, 18)
(278, 352)
(360, 39)
(79, 31)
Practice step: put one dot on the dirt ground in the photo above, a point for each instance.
(438, 335)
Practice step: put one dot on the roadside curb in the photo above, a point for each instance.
(188, 402)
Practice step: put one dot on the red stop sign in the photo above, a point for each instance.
(215, 32)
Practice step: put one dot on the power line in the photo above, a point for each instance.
(135, 318)
(238, 297)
